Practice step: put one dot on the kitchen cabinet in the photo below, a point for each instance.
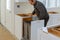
(18, 27)
(35, 25)
(21, 0)
(46, 36)
(0, 11)
(54, 19)
(3, 12)
(9, 17)
(40, 35)
(12, 16)
(9, 22)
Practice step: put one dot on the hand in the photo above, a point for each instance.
(35, 14)
(30, 15)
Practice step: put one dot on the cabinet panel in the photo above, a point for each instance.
(18, 27)
(42, 35)
(35, 25)
(3, 11)
(46, 36)
(9, 16)
(54, 19)
(52, 37)
(8, 21)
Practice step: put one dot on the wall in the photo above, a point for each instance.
(27, 8)
(24, 7)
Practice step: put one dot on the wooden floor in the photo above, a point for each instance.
(5, 34)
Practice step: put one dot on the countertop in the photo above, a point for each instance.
(25, 17)
(55, 31)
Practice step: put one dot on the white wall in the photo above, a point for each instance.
(27, 8)
(24, 7)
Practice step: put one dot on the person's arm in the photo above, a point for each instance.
(31, 14)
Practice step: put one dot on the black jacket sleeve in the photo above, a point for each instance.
(33, 12)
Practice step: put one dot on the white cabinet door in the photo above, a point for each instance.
(9, 17)
(35, 25)
(9, 22)
(54, 19)
(3, 11)
(13, 16)
(50, 22)
(46, 36)
(18, 27)
(52, 37)
(42, 35)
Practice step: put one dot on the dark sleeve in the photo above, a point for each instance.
(39, 7)
(33, 12)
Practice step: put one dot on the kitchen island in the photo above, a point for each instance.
(54, 21)
(35, 25)
(19, 26)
